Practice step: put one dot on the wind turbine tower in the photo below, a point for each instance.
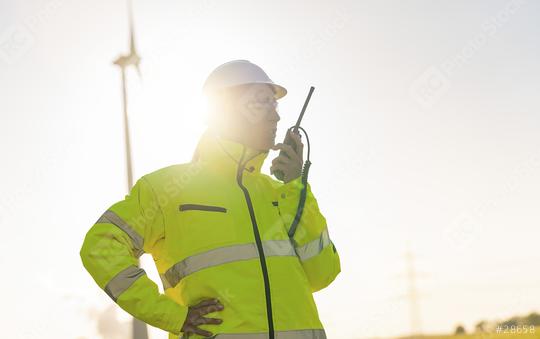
(139, 330)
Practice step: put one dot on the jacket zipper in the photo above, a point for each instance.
(258, 241)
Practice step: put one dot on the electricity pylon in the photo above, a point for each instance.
(412, 294)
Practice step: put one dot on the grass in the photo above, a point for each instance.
(535, 334)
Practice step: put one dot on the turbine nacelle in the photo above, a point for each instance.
(133, 57)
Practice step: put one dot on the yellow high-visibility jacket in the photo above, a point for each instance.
(216, 228)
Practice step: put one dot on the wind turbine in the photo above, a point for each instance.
(139, 330)
(125, 61)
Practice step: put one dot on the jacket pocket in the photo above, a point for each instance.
(200, 227)
(187, 207)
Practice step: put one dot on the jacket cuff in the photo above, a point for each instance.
(178, 320)
(291, 189)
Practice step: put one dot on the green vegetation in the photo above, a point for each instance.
(519, 327)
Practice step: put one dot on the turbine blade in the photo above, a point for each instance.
(138, 69)
(132, 48)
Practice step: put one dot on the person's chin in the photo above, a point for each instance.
(272, 142)
(266, 145)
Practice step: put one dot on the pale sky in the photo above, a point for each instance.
(424, 129)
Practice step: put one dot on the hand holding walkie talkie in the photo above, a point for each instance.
(287, 165)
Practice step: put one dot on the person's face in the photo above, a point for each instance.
(259, 108)
(255, 116)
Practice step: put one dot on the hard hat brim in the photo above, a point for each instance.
(279, 91)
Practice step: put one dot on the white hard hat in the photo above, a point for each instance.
(239, 72)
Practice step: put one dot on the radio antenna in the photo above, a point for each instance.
(311, 89)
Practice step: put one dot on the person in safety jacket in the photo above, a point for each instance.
(217, 229)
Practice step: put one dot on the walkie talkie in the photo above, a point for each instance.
(294, 129)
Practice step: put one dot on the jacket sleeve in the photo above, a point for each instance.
(110, 253)
(316, 251)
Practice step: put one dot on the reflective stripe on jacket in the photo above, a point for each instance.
(216, 228)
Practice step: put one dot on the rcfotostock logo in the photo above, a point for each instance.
(434, 82)
(463, 231)
(15, 42)
(18, 39)
(430, 87)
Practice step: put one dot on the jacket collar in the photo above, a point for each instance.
(225, 154)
